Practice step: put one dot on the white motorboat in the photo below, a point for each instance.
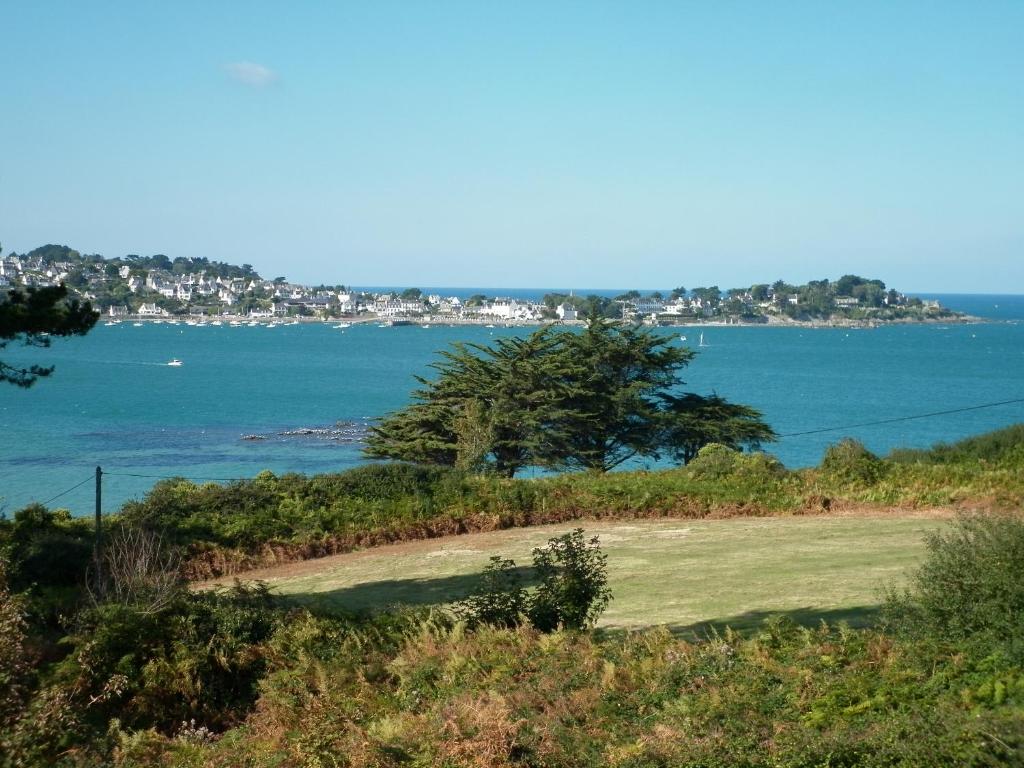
(175, 363)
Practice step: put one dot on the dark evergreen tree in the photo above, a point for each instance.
(616, 374)
(32, 316)
(691, 421)
(561, 400)
(496, 408)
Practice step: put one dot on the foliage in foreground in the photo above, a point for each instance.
(970, 589)
(233, 678)
(498, 697)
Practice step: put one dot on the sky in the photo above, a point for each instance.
(524, 144)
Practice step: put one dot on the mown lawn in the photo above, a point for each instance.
(681, 573)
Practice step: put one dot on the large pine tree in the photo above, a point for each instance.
(561, 400)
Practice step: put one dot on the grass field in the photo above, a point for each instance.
(681, 573)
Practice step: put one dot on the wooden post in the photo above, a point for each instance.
(98, 548)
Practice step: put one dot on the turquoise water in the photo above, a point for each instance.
(113, 402)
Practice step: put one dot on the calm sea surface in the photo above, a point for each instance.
(113, 401)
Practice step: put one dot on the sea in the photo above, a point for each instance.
(298, 398)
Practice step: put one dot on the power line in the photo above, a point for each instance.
(178, 477)
(69, 490)
(904, 418)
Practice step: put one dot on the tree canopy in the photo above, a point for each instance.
(562, 400)
(32, 316)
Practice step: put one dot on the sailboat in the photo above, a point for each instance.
(701, 342)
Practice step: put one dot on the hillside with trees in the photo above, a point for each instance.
(849, 299)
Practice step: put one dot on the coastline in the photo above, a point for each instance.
(771, 321)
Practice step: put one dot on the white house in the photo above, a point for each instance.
(396, 307)
(152, 310)
(649, 306)
(503, 308)
(565, 313)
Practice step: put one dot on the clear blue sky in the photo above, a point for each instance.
(524, 144)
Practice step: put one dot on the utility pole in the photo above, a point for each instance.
(98, 548)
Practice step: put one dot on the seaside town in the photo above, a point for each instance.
(197, 290)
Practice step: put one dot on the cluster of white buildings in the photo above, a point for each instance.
(22, 270)
(504, 310)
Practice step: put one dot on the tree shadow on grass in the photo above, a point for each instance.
(749, 622)
(381, 595)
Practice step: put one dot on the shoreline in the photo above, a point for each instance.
(427, 321)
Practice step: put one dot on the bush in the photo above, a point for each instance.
(990, 447)
(970, 588)
(15, 662)
(47, 548)
(572, 591)
(390, 481)
(848, 462)
(201, 658)
(499, 600)
(712, 462)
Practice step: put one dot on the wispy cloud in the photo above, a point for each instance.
(251, 73)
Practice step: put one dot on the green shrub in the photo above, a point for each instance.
(201, 658)
(46, 548)
(572, 588)
(573, 583)
(390, 481)
(992, 447)
(15, 660)
(970, 589)
(499, 600)
(713, 461)
(848, 462)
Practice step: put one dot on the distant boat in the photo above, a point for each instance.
(701, 342)
(682, 338)
(343, 325)
(137, 325)
(488, 326)
(425, 325)
(175, 363)
(110, 323)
